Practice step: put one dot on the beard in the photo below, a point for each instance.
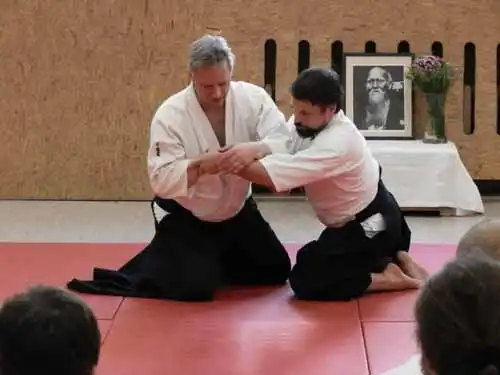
(376, 97)
(307, 132)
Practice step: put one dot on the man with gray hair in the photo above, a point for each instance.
(209, 231)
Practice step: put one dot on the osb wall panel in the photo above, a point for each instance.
(81, 79)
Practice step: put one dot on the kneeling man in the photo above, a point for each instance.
(209, 230)
(365, 244)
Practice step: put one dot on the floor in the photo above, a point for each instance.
(245, 332)
(293, 221)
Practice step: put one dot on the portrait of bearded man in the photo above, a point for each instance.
(378, 95)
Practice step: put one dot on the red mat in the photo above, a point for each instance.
(244, 332)
(104, 327)
(398, 306)
(389, 345)
(258, 332)
(25, 264)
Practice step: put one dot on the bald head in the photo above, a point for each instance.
(483, 237)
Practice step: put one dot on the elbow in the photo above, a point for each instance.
(166, 184)
(277, 186)
(268, 185)
(279, 189)
(266, 180)
(160, 190)
(272, 186)
(278, 146)
(274, 189)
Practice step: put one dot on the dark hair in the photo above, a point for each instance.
(48, 330)
(319, 86)
(458, 318)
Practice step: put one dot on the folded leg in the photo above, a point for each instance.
(345, 263)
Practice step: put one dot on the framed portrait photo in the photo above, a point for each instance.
(378, 96)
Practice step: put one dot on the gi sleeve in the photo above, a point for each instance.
(272, 127)
(290, 171)
(167, 162)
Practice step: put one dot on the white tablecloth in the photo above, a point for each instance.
(424, 175)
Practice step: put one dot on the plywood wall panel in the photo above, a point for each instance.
(81, 79)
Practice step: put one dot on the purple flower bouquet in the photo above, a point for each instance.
(433, 76)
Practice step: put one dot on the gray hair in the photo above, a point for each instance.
(210, 50)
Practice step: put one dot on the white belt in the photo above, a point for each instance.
(159, 212)
(373, 225)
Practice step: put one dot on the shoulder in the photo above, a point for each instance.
(248, 88)
(172, 109)
(291, 124)
(295, 142)
(342, 137)
(254, 94)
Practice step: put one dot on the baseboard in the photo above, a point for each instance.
(488, 187)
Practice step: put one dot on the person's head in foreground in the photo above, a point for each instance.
(48, 331)
(317, 96)
(211, 63)
(481, 238)
(458, 318)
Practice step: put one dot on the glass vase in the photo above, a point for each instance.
(436, 118)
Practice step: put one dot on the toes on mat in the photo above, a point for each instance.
(398, 306)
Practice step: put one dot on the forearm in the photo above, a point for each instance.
(193, 171)
(170, 181)
(203, 164)
(259, 149)
(175, 179)
(257, 174)
(262, 149)
(278, 144)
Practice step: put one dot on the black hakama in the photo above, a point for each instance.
(337, 266)
(189, 259)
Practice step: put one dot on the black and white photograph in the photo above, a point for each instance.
(378, 96)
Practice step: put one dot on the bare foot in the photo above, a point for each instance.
(393, 278)
(410, 267)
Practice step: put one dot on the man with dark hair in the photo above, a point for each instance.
(48, 331)
(364, 246)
